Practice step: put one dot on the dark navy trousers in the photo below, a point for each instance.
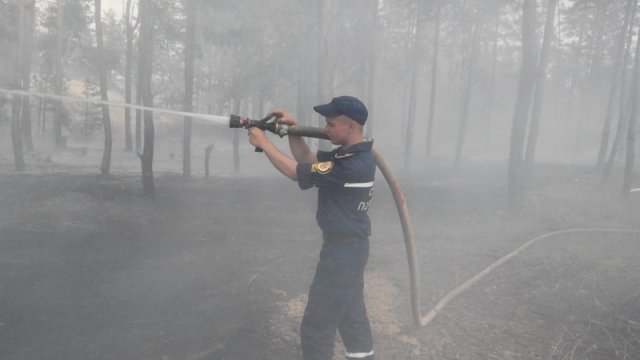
(336, 301)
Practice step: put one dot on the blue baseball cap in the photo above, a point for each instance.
(344, 105)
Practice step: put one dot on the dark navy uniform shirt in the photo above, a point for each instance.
(344, 178)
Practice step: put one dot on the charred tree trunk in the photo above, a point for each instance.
(207, 160)
(523, 104)
(615, 85)
(323, 45)
(434, 81)
(58, 81)
(309, 57)
(413, 87)
(146, 63)
(468, 88)
(188, 84)
(16, 104)
(139, 85)
(538, 97)
(127, 74)
(326, 70)
(27, 29)
(139, 101)
(624, 108)
(492, 90)
(631, 129)
(16, 136)
(372, 65)
(104, 89)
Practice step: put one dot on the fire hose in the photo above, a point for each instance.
(419, 320)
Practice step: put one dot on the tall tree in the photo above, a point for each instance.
(624, 103)
(189, 59)
(523, 104)
(59, 77)
(631, 127)
(326, 63)
(309, 58)
(615, 84)
(372, 63)
(415, 57)
(129, 31)
(145, 58)
(27, 28)
(104, 90)
(538, 96)
(16, 106)
(492, 77)
(434, 79)
(468, 85)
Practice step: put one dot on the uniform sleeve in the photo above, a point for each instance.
(305, 172)
(324, 155)
(304, 176)
(332, 173)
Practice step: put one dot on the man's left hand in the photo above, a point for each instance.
(257, 137)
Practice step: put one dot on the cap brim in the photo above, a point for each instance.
(327, 110)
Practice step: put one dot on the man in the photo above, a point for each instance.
(344, 178)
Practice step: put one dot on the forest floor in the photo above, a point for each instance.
(219, 268)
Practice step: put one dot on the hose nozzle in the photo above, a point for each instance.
(267, 124)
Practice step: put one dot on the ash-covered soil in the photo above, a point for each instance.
(219, 268)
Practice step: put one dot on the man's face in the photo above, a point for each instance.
(338, 129)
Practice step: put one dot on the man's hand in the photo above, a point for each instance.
(282, 162)
(284, 117)
(258, 138)
(299, 147)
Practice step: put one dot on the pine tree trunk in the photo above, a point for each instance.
(58, 80)
(492, 90)
(434, 82)
(624, 106)
(309, 58)
(128, 75)
(207, 160)
(615, 85)
(104, 90)
(468, 89)
(523, 104)
(27, 29)
(631, 129)
(538, 97)
(372, 65)
(188, 84)
(139, 101)
(325, 71)
(413, 87)
(146, 63)
(17, 103)
(16, 136)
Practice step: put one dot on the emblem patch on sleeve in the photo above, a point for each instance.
(322, 167)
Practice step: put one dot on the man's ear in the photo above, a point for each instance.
(353, 126)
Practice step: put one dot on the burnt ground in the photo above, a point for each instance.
(219, 268)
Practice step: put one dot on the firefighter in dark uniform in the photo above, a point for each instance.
(344, 178)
